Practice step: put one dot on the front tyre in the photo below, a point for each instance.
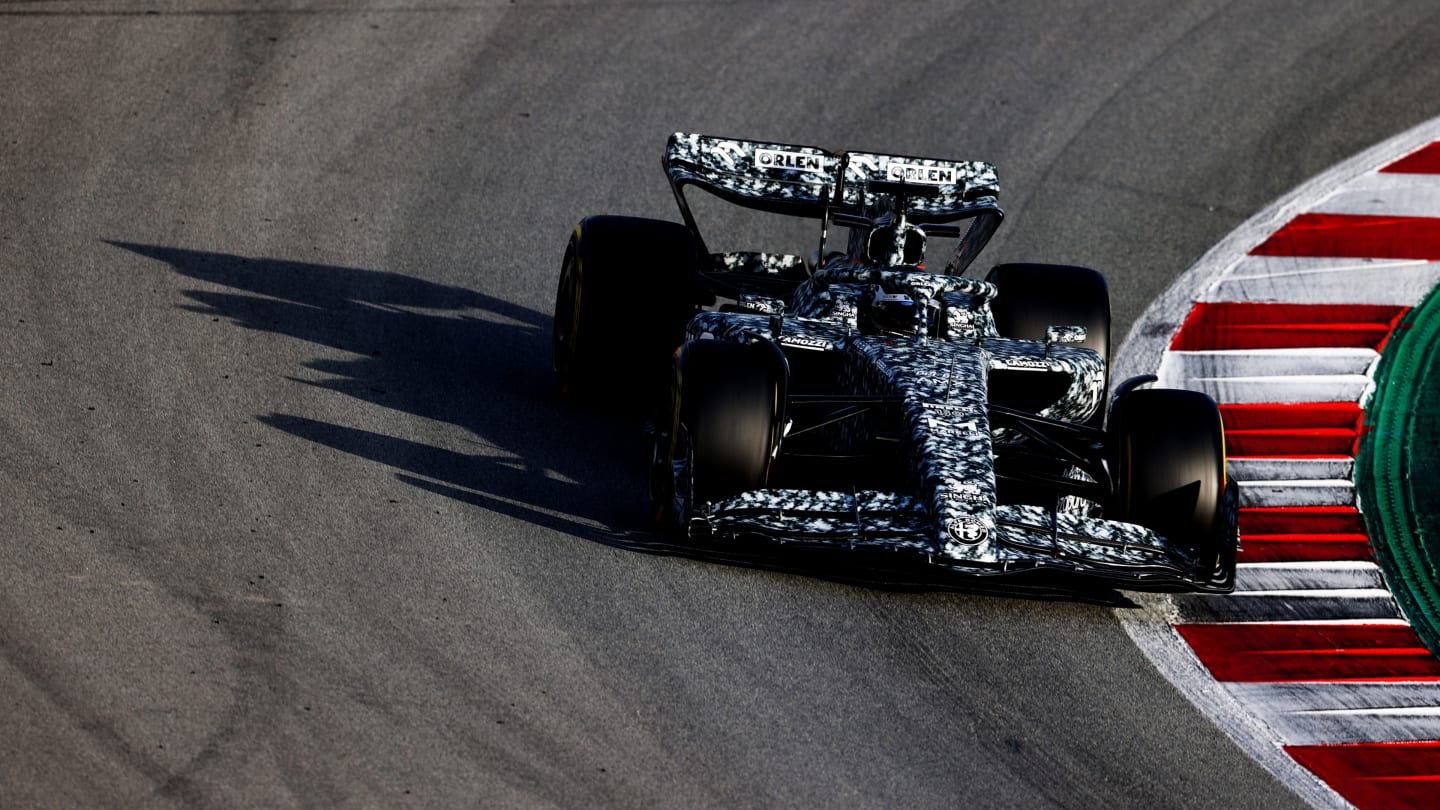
(1167, 452)
(727, 413)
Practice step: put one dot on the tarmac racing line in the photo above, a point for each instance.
(1311, 665)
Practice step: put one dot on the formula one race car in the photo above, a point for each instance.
(857, 399)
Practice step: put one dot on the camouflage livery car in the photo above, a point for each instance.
(849, 394)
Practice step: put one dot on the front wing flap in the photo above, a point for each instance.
(1024, 538)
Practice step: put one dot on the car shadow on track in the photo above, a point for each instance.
(459, 357)
(446, 354)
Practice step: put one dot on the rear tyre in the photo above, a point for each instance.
(626, 291)
(1033, 297)
(727, 413)
(1167, 451)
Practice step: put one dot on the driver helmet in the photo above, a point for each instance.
(883, 313)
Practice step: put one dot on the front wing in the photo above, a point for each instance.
(1024, 538)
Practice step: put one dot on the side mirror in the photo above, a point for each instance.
(1065, 334)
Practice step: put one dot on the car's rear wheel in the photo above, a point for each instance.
(1034, 297)
(727, 412)
(1167, 454)
(626, 292)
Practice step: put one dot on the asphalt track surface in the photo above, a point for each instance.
(293, 517)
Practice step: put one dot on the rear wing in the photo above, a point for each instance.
(808, 181)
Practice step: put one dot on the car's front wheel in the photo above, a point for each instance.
(1167, 455)
(726, 417)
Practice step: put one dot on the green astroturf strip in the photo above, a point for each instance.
(1398, 469)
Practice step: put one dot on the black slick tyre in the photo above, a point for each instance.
(1167, 454)
(727, 412)
(1033, 297)
(625, 293)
